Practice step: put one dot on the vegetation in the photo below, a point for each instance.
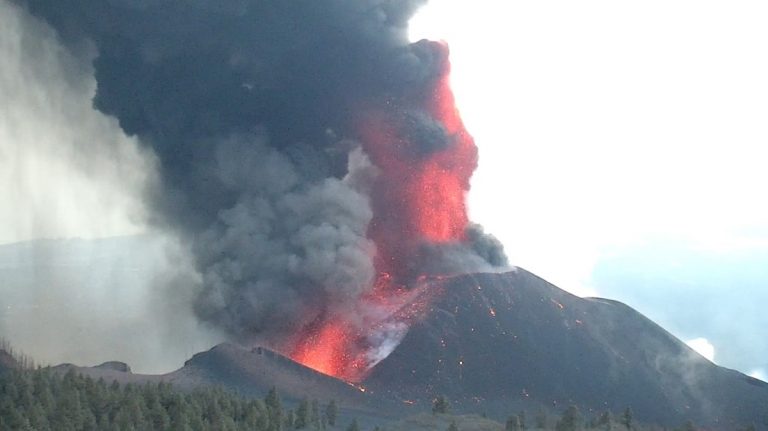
(440, 405)
(513, 424)
(353, 426)
(19, 359)
(331, 412)
(44, 400)
(626, 418)
(570, 420)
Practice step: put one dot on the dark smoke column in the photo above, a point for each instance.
(311, 157)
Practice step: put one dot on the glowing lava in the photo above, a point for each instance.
(417, 199)
(420, 195)
(328, 350)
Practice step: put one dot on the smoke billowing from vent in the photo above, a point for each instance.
(311, 157)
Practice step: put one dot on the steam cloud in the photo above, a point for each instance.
(253, 110)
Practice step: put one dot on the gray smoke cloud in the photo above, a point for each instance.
(285, 248)
(252, 110)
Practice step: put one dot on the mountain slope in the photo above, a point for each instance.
(251, 373)
(498, 342)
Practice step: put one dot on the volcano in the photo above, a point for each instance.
(499, 343)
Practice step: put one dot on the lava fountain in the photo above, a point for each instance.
(310, 156)
(418, 199)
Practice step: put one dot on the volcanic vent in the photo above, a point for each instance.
(425, 158)
(310, 155)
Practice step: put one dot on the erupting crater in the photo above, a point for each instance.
(426, 159)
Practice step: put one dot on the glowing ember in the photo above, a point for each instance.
(327, 350)
(418, 199)
(341, 348)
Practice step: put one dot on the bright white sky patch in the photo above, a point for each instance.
(602, 122)
(759, 374)
(703, 347)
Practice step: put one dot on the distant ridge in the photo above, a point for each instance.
(251, 373)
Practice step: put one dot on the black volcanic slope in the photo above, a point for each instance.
(501, 342)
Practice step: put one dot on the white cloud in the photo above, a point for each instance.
(588, 141)
(703, 347)
(759, 374)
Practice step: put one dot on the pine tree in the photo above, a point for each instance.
(440, 405)
(314, 415)
(38, 418)
(605, 421)
(331, 411)
(513, 424)
(274, 410)
(302, 415)
(289, 420)
(689, 426)
(570, 420)
(626, 418)
(353, 426)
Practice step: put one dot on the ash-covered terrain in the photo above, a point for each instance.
(499, 344)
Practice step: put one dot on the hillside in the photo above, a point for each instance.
(498, 342)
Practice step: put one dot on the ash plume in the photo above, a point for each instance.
(294, 143)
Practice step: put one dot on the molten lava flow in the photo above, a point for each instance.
(418, 199)
(342, 348)
(328, 349)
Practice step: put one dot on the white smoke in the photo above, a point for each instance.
(65, 169)
(703, 347)
(760, 374)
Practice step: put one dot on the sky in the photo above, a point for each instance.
(622, 151)
(613, 133)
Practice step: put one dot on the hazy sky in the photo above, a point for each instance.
(66, 170)
(612, 133)
(622, 150)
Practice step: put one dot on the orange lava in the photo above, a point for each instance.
(328, 350)
(418, 198)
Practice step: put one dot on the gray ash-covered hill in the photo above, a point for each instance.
(497, 343)
(251, 373)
